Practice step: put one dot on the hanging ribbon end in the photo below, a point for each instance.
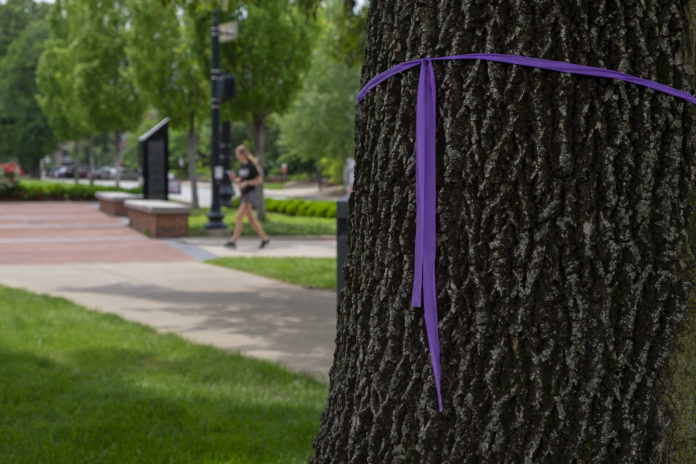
(416, 299)
(439, 395)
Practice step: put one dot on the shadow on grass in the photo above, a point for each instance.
(124, 405)
(296, 324)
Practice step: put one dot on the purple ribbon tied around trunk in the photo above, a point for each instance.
(426, 243)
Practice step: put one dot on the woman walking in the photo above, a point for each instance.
(250, 175)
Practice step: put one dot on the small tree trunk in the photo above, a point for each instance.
(192, 142)
(259, 134)
(90, 148)
(562, 205)
(76, 158)
(117, 157)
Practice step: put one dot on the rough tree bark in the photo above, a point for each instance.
(562, 203)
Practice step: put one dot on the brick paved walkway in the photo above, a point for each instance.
(73, 232)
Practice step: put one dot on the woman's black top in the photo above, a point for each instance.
(248, 171)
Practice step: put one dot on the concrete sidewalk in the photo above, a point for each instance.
(280, 247)
(74, 251)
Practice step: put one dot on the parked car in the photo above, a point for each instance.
(110, 173)
(124, 173)
(102, 173)
(65, 170)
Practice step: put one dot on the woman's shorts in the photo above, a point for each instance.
(249, 197)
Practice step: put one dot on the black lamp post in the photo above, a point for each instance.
(226, 189)
(222, 89)
(215, 215)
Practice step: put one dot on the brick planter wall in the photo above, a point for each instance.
(112, 207)
(159, 225)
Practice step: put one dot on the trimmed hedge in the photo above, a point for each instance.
(298, 207)
(32, 190)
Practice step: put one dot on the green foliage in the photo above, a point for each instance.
(79, 386)
(274, 224)
(24, 133)
(268, 58)
(167, 71)
(15, 16)
(164, 65)
(28, 137)
(304, 208)
(309, 272)
(8, 178)
(346, 31)
(101, 73)
(83, 76)
(318, 127)
(34, 190)
(57, 95)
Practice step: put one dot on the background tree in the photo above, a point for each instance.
(29, 138)
(319, 124)
(167, 71)
(15, 15)
(57, 92)
(345, 38)
(268, 59)
(561, 216)
(104, 87)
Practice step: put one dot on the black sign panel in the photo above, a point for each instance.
(154, 160)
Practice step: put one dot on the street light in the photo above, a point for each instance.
(221, 89)
(226, 189)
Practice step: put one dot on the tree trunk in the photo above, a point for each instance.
(258, 127)
(76, 158)
(117, 157)
(561, 217)
(192, 141)
(90, 149)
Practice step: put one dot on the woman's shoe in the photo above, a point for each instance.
(230, 244)
(264, 242)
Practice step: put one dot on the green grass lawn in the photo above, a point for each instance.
(275, 224)
(80, 386)
(273, 185)
(310, 272)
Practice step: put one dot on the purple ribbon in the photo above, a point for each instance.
(424, 272)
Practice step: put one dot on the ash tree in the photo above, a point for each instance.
(167, 71)
(28, 137)
(104, 86)
(269, 60)
(562, 206)
(91, 86)
(57, 93)
(318, 126)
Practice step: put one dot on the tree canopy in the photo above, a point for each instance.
(15, 15)
(319, 124)
(28, 138)
(105, 61)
